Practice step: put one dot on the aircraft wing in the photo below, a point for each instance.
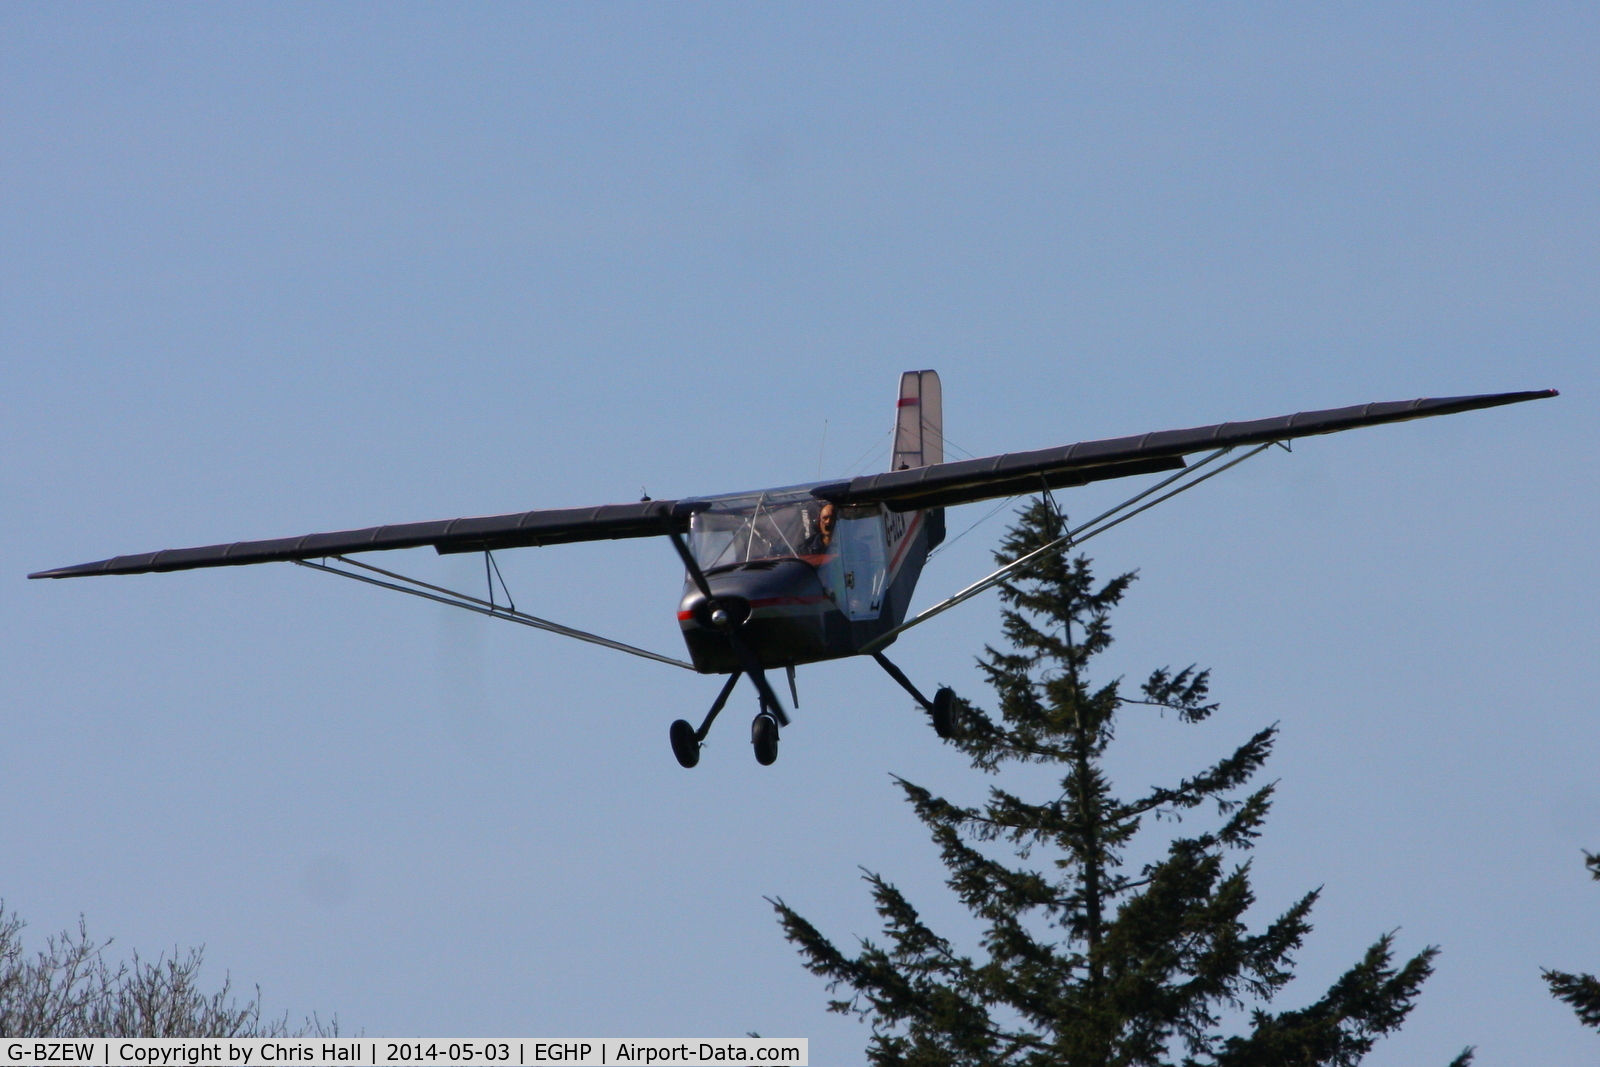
(1015, 473)
(644, 519)
(935, 485)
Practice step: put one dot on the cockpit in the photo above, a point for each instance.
(845, 546)
(773, 525)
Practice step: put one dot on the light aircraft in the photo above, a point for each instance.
(804, 573)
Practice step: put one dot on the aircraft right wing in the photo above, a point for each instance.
(941, 484)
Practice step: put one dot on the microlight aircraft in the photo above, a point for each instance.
(777, 578)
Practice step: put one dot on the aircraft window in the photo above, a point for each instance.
(863, 569)
(754, 528)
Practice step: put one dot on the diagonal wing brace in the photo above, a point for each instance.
(1095, 526)
(441, 595)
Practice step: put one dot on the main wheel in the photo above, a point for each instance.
(684, 743)
(944, 723)
(764, 736)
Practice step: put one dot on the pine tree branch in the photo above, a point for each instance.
(1245, 825)
(1225, 775)
(1184, 692)
(1581, 992)
(1369, 1000)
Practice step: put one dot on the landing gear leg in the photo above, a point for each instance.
(686, 740)
(764, 730)
(769, 699)
(939, 709)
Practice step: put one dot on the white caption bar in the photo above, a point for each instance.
(417, 1052)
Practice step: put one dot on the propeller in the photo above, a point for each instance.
(724, 621)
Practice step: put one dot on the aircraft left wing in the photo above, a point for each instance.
(963, 482)
(644, 519)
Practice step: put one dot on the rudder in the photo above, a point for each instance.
(919, 421)
(919, 434)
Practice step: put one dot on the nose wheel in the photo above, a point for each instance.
(727, 615)
(764, 738)
(687, 741)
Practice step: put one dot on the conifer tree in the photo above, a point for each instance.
(1084, 961)
(1580, 991)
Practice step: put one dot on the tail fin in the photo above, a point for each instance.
(919, 435)
(919, 421)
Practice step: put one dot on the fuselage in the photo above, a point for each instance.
(804, 581)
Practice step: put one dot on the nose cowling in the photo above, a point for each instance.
(721, 611)
(775, 605)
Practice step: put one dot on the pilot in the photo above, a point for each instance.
(820, 538)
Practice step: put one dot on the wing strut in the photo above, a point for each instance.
(1072, 537)
(441, 595)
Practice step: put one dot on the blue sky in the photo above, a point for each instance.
(277, 269)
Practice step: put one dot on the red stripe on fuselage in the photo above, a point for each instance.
(905, 543)
(909, 401)
(768, 602)
(783, 601)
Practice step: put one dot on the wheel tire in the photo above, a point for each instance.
(684, 743)
(944, 722)
(764, 737)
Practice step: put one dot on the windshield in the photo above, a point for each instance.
(762, 526)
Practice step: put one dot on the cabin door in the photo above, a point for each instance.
(863, 564)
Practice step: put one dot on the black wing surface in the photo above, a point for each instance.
(942, 484)
(522, 529)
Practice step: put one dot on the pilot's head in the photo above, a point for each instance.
(825, 524)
